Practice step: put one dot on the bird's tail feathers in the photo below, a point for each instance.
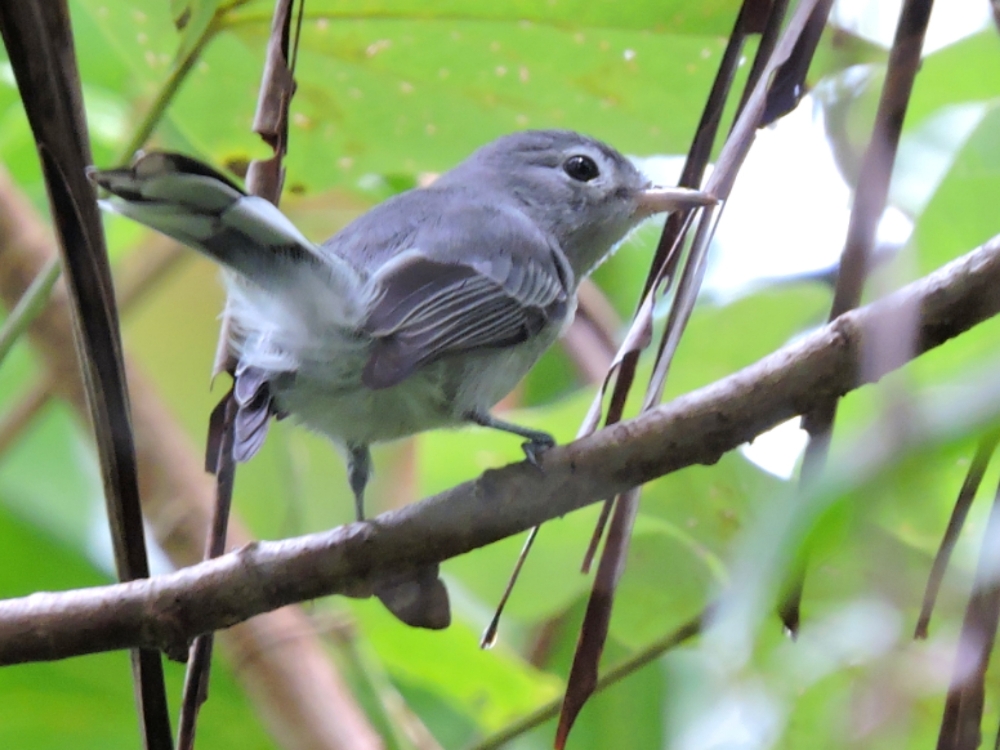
(193, 203)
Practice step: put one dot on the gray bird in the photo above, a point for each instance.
(422, 313)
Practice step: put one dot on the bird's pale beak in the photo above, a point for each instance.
(655, 200)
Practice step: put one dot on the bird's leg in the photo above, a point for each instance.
(538, 441)
(359, 471)
(417, 598)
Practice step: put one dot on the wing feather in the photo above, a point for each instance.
(428, 309)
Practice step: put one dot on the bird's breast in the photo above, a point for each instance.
(329, 397)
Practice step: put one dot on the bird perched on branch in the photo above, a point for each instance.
(423, 312)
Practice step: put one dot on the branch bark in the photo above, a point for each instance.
(168, 611)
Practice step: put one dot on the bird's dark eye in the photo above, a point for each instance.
(581, 168)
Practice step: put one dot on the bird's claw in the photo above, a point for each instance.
(535, 447)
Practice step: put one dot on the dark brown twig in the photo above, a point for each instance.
(963, 708)
(870, 200)
(958, 514)
(200, 655)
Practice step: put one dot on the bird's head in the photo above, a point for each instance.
(587, 194)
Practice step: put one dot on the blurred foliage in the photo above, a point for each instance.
(390, 92)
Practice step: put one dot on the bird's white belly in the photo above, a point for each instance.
(360, 416)
(333, 401)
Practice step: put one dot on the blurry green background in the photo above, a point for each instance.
(390, 92)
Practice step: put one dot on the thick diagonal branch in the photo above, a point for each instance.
(697, 428)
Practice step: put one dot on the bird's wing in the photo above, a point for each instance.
(426, 309)
(191, 202)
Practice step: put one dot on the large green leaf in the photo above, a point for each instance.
(961, 215)
(383, 100)
(678, 16)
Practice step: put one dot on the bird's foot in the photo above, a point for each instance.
(537, 443)
(536, 446)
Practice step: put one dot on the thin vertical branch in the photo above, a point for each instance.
(963, 709)
(870, 199)
(200, 657)
(963, 502)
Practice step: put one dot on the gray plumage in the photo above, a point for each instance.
(425, 311)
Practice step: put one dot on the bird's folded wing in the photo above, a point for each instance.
(428, 309)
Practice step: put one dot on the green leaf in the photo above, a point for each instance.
(378, 98)
(949, 76)
(711, 17)
(493, 687)
(962, 214)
